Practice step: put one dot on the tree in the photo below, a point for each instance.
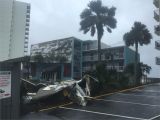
(56, 56)
(145, 70)
(38, 57)
(138, 35)
(129, 72)
(95, 18)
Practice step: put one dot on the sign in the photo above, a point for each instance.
(5, 84)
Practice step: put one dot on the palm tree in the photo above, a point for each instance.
(138, 35)
(145, 70)
(95, 18)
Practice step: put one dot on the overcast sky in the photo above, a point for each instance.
(55, 19)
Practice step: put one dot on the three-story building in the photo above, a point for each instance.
(81, 56)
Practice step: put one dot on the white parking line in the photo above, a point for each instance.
(147, 90)
(135, 103)
(151, 96)
(154, 117)
(107, 114)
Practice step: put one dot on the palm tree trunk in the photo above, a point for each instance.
(99, 50)
(99, 44)
(136, 61)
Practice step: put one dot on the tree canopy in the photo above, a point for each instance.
(95, 18)
(139, 34)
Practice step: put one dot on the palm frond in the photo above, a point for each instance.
(109, 30)
(87, 22)
(128, 39)
(109, 21)
(93, 30)
(95, 6)
(103, 10)
(86, 30)
(86, 13)
(138, 33)
(111, 11)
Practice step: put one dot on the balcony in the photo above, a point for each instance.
(27, 29)
(118, 56)
(86, 69)
(157, 30)
(90, 58)
(25, 51)
(27, 20)
(26, 46)
(28, 10)
(26, 33)
(27, 24)
(156, 3)
(29, 7)
(103, 57)
(156, 15)
(26, 42)
(157, 45)
(28, 15)
(157, 60)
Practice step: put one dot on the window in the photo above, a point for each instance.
(27, 16)
(157, 61)
(157, 45)
(27, 29)
(27, 20)
(28, 7)
(26, 33)
(27, 24)
(28, 11)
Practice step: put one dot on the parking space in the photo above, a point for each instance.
(137, 104)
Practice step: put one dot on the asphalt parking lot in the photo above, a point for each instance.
(142, 103)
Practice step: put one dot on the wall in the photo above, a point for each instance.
(5, 27)
(77, 59)
(12, 29)
(129, 55)
(18, 30)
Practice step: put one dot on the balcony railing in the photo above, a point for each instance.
(116, 57)
(27, 20)
(26, 42)
(118, 68)
(27, 24)
(156, 3)
(28, 7)
(156, 15)
(90, 58)
(103, 57)
(157, 30)
(26, 46)
(28, 10)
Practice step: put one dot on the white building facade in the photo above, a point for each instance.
(14, 29)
